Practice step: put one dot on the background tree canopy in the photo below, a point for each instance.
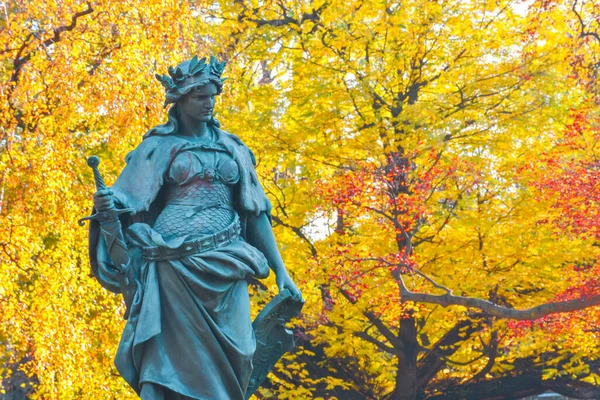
(433, 167)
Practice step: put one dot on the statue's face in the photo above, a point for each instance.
(199, 104)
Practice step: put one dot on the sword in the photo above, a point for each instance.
(110, 226)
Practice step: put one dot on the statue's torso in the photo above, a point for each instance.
(199, 192)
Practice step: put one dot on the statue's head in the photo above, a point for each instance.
(191, 75)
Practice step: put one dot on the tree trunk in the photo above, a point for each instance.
(406, 377)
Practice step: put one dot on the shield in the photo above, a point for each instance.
(273, 339)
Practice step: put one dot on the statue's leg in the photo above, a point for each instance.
(153, 391)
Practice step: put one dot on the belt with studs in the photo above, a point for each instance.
(196, 246)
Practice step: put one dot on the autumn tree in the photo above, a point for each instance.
(425, 121)
(432, 167)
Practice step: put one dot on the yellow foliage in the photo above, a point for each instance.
(473, 94)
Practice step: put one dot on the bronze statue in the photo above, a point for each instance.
(180, 231)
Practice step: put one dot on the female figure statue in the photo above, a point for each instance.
(201, 227)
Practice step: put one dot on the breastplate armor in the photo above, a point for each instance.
(199, 196)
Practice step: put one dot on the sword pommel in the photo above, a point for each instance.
(93, 162)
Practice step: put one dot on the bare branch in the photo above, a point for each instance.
(365, 336)
(491, 351)
(298, 233)
(495, 310)
(20, 60)
(430, 280)
(376, 321)
(583, 32)
(439, 355)
(393, 339)
(367, 271)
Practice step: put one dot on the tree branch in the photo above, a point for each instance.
(434, 283)
(493, 309)
(299, 233)
(492, 352)
(516, 386)
(20, 60)
(444, 348)
(583, 33)
(366, 337)
(393, 339)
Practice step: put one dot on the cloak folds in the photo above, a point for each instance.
(189, 329)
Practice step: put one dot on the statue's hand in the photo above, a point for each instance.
(285, 282)
(103, 200)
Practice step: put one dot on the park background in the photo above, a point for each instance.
(433, 167)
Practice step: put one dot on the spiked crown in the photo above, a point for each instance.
(191, 74)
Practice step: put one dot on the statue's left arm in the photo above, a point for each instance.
(255, 210)
(260, 235)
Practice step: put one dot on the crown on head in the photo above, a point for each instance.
(190, 74)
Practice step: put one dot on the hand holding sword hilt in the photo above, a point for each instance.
(103, 199)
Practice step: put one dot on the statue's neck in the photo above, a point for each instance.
(196, 130)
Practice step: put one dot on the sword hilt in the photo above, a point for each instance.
(93, 163)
